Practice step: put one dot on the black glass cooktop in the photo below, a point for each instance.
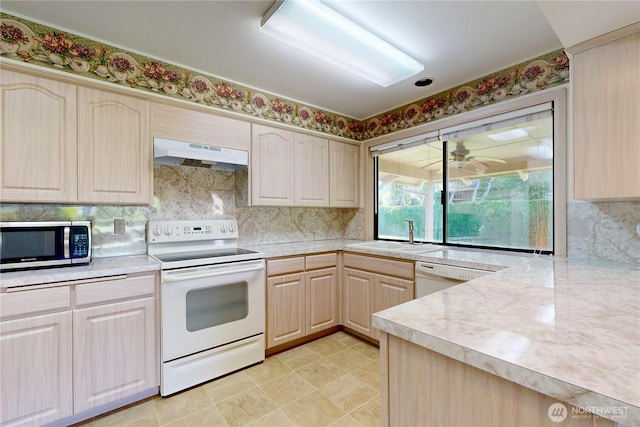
(220, 253)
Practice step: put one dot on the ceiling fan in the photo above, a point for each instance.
(460, 157)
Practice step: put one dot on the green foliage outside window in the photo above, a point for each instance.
(521, 224)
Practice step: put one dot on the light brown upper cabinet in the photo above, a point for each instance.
(183, 124)
(295, 169)
(271, 168)
(288, 168)
(38, 139)
(63, 143)
(311, 170)
(114, 150)
(344, 173)
(606, 127)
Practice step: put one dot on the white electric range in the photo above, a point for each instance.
(212, 301)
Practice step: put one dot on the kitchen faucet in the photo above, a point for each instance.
(410, 231)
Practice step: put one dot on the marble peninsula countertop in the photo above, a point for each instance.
(566, 328)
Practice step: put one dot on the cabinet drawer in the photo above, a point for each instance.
(321, 261)
(285, 265)
(22, 303)
(109, 290)
(389, 267)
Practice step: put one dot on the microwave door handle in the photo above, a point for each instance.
(65, 240)
(177, 277)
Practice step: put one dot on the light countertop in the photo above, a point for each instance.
(99, 267)
(275, 250)
(567, 328)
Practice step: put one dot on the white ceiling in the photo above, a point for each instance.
(458, 41)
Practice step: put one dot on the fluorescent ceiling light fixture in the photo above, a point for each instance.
(509, 135)
(315, 28)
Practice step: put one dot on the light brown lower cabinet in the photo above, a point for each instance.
(36, 370)
(302, 296)
(357, 297)
(371, 284)
(70, 348)
(322, 299)
(420, 387)
(286, 308)
(113, 352)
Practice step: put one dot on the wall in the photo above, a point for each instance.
(183, 192)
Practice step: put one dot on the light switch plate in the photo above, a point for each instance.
(118, 226)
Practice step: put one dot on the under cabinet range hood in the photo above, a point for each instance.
(169, 152)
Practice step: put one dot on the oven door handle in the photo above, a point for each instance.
(178, 277)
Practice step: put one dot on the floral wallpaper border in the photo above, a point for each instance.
(22, 40)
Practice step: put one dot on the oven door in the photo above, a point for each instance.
(205, 307)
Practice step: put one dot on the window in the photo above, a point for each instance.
(488, 184)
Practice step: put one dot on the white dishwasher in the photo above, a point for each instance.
(432, 277)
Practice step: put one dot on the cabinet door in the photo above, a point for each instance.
(344, 175)
(322, 299)
(358, 300)
(272, 182)
(38, 141)
(389, 292)
(605, 85)
(114, 151)
(114, 352)
(311, 163)
(285, 309)
(36, 386)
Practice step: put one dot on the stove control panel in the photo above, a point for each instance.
(184, 231)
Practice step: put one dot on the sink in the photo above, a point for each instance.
(406, 247)
(397, 246)
(378, 244)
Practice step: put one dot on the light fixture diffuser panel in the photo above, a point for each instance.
(315, 28)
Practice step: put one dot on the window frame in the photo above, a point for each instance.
(557, 96)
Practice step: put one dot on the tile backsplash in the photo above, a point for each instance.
(183, 192)
(604, 231)
(595, 230)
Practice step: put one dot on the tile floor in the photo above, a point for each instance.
(333, 381)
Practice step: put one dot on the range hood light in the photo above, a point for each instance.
(170, 152)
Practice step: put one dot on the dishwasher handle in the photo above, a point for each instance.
(425, 269)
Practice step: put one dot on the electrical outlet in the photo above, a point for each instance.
(118, 226)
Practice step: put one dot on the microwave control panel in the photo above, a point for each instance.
(80, 242)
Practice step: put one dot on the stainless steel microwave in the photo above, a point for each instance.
(25, 245)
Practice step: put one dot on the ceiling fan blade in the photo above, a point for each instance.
(489, 159)
(480, 167)
(431, 164)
